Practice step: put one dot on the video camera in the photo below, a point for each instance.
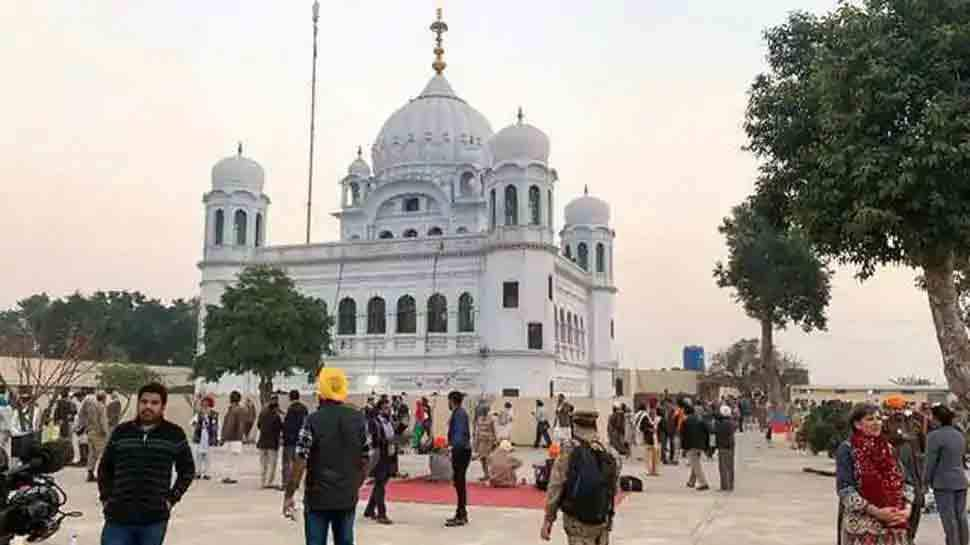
(30, 499)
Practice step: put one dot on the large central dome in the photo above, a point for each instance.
(435, 127)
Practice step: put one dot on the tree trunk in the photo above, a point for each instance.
(770, 366)
(265, 389)
(951, 332)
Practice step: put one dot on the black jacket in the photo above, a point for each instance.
(336, 457)
(724, 434)
(696, 434)
(270, 429)
(135, 473)
(295, 415)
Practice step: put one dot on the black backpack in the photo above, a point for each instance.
(590, 484)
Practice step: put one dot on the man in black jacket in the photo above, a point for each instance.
(135, 474)
(724, 440)
(295, 415)
(332, 449)
(695, 441)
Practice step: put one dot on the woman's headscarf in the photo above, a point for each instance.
(878, 476)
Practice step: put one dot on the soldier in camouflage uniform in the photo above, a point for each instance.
(577, 533)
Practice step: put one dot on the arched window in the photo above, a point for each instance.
(600, 258)
(437, 314)
(434, 232)
(386, 235)
(220, 226)
(410, 233)
(583, 255)
(549, 208)
(354, 194)
(467, 188)
(240, 225)
(376, 317)
(406, 315)
(347, 317)
(491, 207)
(535, 214)
(511, 205)
(259, 230)
(569, 252)
(466, 313)
(461, 230)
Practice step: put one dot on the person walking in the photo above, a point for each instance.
(270, 425)
(94, 422)
(616, 430)
(135, 475)
(662, 433)
(249, 421)
(673, 430)
(695, 441)
(64, 413)
(383, 447)
(459, 438)
(724, 442)
(587, 503)
(113, 410)
(205, 433)
(542, 425)
(332, 451)
(233, 435)
(296, 413)
(945, 450)
(486, 438)
(564, 419)
(873, 508)
(648, 422)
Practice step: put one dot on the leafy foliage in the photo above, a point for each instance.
(121, 326)
(912, 380)
(263, 326)
(776, 277)
(126, 379)
(739, 366)
(861, 123)
(826, 426)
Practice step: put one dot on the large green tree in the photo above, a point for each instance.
(739, 366)
(778, 280)
(861, 121)
(126, 379)
(263, 326)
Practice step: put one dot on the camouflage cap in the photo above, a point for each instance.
(585, 419)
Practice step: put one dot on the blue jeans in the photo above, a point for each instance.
(148, 534)
(319, 522)
(952, 506)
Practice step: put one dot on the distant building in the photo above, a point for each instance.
(874, 393)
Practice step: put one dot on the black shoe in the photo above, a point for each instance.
(703, 488)
(455, 522)
(369, 515)
(91, 477)
(206, 477)
(690, 485)
(384, 520)
(229, 481)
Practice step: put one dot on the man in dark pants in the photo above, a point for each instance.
(295, 415)
(459, 437)
(332, 450)
(135, 473)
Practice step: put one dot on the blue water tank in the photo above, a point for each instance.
(694, 358)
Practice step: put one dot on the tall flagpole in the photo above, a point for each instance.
(313, 111)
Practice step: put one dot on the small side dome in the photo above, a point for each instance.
(520, 141)
(238, 172)
(587, 210)
(359, 167)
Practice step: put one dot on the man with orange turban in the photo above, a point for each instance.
(332, 450)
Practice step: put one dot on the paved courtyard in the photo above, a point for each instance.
(775, 503)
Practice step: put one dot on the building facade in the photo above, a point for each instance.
(448, 272)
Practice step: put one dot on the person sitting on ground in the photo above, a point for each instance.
(543, 471)
(502, 466)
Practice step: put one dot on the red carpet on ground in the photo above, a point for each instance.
(420, 490)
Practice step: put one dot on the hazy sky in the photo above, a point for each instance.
(112, 114)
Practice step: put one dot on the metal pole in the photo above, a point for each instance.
(313, 111)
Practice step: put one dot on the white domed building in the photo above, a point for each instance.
(447, 273)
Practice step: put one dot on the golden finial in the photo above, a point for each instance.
(439, 27)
